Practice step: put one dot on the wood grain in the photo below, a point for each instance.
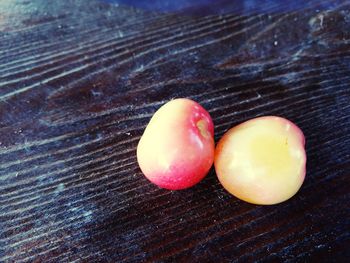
(79, 80)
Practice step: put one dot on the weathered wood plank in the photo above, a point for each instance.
(78, 83)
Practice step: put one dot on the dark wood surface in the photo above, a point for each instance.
(79, 81)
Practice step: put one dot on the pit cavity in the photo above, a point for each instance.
(202, 127)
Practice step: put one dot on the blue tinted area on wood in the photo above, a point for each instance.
(225, 6)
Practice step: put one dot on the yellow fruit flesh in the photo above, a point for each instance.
(261, 161)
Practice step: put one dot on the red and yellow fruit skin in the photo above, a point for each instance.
(177, 147)
(262, 161)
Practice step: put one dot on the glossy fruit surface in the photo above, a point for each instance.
(262, 161)
(177, 148)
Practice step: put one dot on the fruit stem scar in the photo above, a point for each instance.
(202, 127)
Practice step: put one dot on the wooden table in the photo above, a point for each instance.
(79, 81)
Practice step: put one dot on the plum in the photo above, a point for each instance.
(177, 147)
(262, 161)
